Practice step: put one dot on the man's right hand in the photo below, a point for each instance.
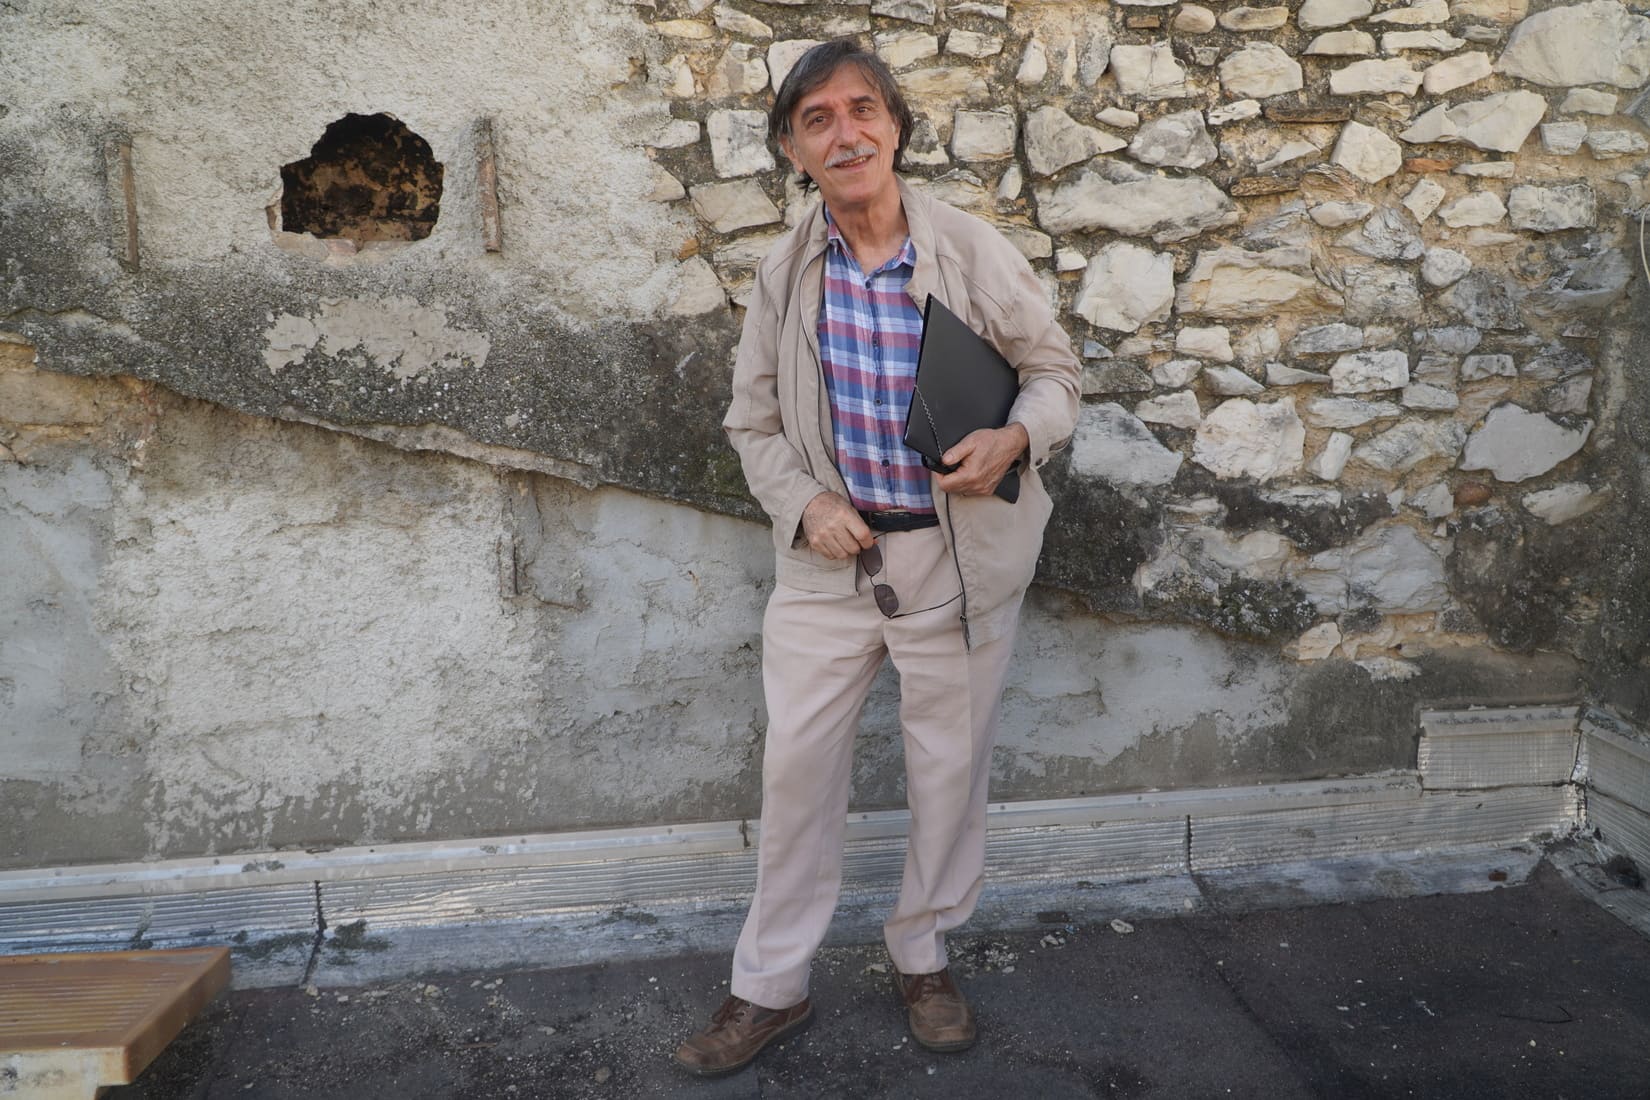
(833, 528)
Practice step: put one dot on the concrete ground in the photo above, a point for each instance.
(1526, 991)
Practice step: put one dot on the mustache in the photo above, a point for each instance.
(851, 154)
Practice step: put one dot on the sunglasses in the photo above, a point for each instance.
(870, 560)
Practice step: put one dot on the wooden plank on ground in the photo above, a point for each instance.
(70, 1023)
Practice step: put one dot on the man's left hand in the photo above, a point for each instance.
(982, 458)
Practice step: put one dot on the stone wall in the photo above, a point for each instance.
(1341, 279)
(326, 540)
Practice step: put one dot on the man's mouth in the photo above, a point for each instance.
(853, 162)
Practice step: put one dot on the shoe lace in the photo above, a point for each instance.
(731, 1010)
(922, 985)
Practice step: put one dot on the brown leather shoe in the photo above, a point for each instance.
(737, 1034)
(937, 1011)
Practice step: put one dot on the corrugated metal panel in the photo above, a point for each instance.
(1107, 852)
(1476, 720)
(1146, 805)
(460, 896)
(1107, 839)
(1435, 820)
(1618, 765)
(215, 916)
(664, 842)
(187, 876)
(1498, 759)
(1621, 827)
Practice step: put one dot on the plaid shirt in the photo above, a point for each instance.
(869, 335)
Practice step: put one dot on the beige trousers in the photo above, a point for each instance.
(820, 655)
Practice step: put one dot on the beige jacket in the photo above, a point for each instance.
(780, 419)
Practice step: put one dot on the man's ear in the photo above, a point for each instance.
(790, 153)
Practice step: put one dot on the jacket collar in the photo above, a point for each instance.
(918, 221)
(925, 277)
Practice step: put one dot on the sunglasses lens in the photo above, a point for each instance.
(871, 560)
(887, 602)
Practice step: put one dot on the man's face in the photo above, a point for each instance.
(844, 137)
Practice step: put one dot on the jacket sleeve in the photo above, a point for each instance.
(775, 470)
(1039, 349)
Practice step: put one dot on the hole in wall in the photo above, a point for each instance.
(369, 180)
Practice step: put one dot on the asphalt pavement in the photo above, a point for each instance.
(1531, 990)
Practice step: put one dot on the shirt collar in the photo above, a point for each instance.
(906, 256)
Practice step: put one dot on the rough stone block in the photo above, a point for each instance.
(1174, 141)
(41, 398)
(732, 206)
(1563, 138)
(1149, 71)
(1431, 41)
(1366, 152)
(1125, 286)
(1370, 371)
(1259, 70)
(1193, 19)
(973, 44)
(1318, 14)
(1415, 15)
(1444, 266)
(1178, 410)
(1342, 44)
(983, 135)
(1455, 72)
(1497, 123)
(1112, 444)
(1609, 144)
(1328, 463)
(738, 142)
(901, 49)
(1054, 140)
(1254, 19)
(1230, 382)
(1553, 209)
(1572, 44)
(1135, 203)
(1424, 198)
(1477, 208)
(1515, 444)
(1375, 77)
(1240, 438)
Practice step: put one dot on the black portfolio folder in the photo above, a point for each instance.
(962, 384)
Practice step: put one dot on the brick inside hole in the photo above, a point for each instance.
(368, 179)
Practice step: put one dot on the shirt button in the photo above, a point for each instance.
(885, 462)
(879, 401)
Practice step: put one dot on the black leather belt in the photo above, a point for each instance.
(899, 521)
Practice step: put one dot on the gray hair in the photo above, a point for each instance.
(816, 67)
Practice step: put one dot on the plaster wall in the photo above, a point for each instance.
(227, 633)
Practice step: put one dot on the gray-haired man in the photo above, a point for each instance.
(875, 556)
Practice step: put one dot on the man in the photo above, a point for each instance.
(875, 555)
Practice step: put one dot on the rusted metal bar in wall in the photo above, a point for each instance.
(122, 184)
(492, 229)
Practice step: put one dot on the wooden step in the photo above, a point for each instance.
(72, 1023)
